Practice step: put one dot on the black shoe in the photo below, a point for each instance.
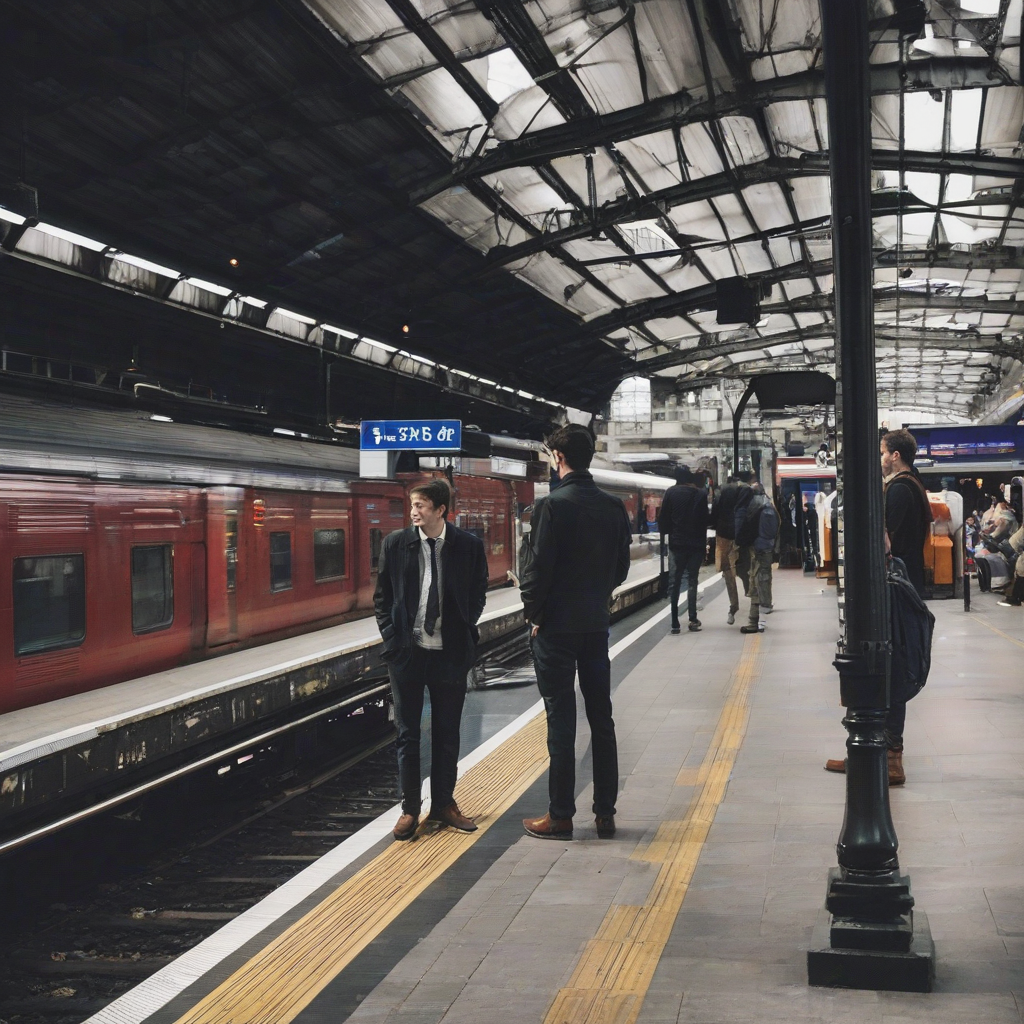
(605, 826)
(695, 626)
(675, 630)
(751, 629)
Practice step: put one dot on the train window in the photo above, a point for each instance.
(328, 554)
(152, 588)
(281, 561)
(231, 550)
(376, 540)
(49, 603)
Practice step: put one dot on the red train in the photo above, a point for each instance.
(130, 544)
(105, 582)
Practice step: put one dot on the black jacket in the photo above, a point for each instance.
(580, 541)
(723, 515)
(907, 518)
(464, 575)
(684, 516)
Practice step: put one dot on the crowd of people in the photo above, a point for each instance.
(432, 586)
(745, 522)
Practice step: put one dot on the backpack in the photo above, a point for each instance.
(748, 529)
(912, 626)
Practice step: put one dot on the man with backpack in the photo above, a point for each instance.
(908, 519)
(757, 526)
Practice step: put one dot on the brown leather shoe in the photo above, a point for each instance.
(896, 774)
(451, 815)
(605, 826)
(405, 828)
(835, 765)
(548, 827)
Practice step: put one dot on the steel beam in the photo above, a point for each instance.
(911, 338)
(683, 108)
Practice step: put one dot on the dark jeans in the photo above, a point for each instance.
(411, 673)
(894, 722)
(558, 657)
(684, 569)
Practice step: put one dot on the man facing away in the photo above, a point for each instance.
(581, 538)
(757, 526)
(683, 518)
(431, 589)
(907, 518)
(723, 518)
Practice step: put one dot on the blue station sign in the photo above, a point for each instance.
(414, 435)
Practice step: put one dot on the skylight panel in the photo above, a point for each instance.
(505, 74)
(963, 124)
(209, 286)
(73, 237)
(923, 122)
(138, 261)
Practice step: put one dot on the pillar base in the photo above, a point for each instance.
(878, 969)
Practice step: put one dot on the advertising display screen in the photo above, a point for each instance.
(988, 442)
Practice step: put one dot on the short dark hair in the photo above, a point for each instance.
(437, 492)
(575, 443)
(684, 475)
(902, 441)
(744, 476)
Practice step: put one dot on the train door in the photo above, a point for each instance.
(224, 508)
(378, 509)
(198, 596)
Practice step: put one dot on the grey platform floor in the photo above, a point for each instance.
(737, 950)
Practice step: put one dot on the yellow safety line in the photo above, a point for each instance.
(616, 967)
(1005, 636)
(284, 977)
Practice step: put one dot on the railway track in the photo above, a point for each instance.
(92, 912)
(95, 908)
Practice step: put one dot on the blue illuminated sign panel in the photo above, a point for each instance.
(414, 435)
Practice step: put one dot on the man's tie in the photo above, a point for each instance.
(433, 601)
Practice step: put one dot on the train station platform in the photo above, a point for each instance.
(64, 751)
(701, 908)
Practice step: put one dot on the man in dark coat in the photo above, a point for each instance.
(431, 590)
(580, 542)
(683, 519)
(723, 518)
(908, 519)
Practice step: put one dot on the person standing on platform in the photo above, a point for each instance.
(431, 590)
(757, 526)
(908, 516)
(723, 518)
(684, 520)
(580, 540)
(1014, 595)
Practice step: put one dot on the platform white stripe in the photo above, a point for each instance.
(158, 990)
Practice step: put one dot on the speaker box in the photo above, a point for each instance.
(737, 301)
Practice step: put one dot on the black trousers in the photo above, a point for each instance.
(684, 571)
(412, 672)
(558, 657)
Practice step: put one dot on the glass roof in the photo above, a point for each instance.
(623, 157)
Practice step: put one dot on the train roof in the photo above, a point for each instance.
(132, 446)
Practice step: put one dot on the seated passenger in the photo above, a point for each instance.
(1015, 592)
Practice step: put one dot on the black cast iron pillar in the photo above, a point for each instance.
(870, 919)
